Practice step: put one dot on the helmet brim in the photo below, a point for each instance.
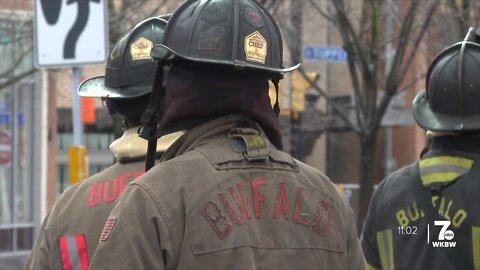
(164, 53)
(429, 120)
(95, 87)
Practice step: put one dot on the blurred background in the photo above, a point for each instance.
(346, 111)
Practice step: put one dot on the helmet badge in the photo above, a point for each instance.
(255, 47)
(140, 49)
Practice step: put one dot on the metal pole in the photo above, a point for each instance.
(76, 114)
(296, 9)
(15, 141)
(389, 161)
(77, 153)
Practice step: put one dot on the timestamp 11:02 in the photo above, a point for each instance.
(407, 230)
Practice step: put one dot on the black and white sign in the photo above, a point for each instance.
(70, 32)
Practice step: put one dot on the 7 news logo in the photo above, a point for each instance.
(445, 235)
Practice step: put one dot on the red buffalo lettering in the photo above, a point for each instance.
(298, 208)
(237, 206)
(323, 216)
(219, 222)
(257, 197)
(243, 216)
(95, 195)
(109, 191)
(281, 205)
(113, 194)
(241, 189)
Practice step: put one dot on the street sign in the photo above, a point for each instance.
(70, 32)
(332, 54)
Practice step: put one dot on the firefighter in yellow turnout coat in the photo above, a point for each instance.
(224, 196)
(70, 232)
(425, 216)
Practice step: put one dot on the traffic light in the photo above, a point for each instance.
(299, 86)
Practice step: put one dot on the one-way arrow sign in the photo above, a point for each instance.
(70, 32)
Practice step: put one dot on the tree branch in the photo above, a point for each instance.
(338, 109)
(17, 78)
(323, 13)
(418, 40)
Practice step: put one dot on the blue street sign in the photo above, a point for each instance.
(333, 54)
(6, 119)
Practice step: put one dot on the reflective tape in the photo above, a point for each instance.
(443, 169)
(385, 248)
(476, 247)
(74, 253)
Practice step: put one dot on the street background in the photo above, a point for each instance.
(346, 111)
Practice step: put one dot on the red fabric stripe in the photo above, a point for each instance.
(67, 264)
(82, 250)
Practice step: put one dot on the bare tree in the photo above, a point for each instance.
(124, 14)
(16, 46)
(361, 27)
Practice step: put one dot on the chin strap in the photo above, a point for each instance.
(151, 116)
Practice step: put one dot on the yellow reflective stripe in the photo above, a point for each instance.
(370, 267)
(443, 169)
(439, 177)
(385, 248)
(446, 160)
(476, 247)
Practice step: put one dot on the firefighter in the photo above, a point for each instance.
(225, 196)
(70, 232)
(425, 216)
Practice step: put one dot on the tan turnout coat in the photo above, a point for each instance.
(70, 232)
(224, 198)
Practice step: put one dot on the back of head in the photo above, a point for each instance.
(222, 48)
(449, 103)
(129, 73)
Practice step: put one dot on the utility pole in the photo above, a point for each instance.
(390, 163)
(296, 34)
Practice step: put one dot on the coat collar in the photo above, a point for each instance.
(130, 145)
(202, 133)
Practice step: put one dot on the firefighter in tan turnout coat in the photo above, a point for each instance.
(70, 232)
(224, 196)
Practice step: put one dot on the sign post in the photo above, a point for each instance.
(72, 33)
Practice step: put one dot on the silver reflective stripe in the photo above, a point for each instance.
(73, 253)
(444, 168)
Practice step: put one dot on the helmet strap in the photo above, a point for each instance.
(125, 125)
(149, 121)
(276, 106)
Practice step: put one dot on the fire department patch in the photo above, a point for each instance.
(140, 49)
(255, 47)
(107, 228)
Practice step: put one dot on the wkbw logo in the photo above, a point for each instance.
(445, 236)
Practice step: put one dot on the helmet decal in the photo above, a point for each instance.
(140, 49)
(255, 47)
(212, 39)
(130, 70)
(253, 17)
